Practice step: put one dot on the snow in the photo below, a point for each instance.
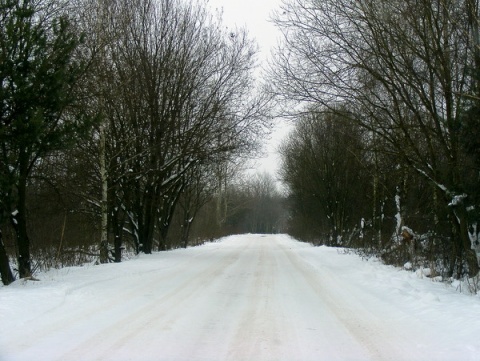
(14, 216)
(249, 297)
(457, 199)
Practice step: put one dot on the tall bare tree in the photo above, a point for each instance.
(176, 91)
(324, 166)
(401, 69)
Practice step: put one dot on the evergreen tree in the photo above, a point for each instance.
(38, 75)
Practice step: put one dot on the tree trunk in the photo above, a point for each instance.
(164, 225)
(117, 248)
(104, 201)
(117, 226)
(23, 243)
(466, 244)
(148, 228)
(473, 21)
(5, 270)
(19, 220)
(166, 216)
(186, 228)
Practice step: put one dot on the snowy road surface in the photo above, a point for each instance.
(248, 297)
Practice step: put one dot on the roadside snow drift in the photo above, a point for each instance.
(250, 297)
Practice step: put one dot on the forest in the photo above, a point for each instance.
(126, 125)
(384, 157)
(120, 121)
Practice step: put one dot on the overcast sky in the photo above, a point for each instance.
(255, 16)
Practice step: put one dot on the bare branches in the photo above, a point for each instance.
(176, 91)
(403, 70)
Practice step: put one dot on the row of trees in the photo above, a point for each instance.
(388, 122)
(117, 116)
(253, 205)
(38, 74)
(256, 205)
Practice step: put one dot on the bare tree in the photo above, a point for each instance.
(175, 91)
(324, 167)
(264, 208)
(400, 68)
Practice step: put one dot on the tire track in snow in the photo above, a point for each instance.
(73, 317)
(368, 328)
(80, 322)
(166, 310)
(258, 298)
(258, 332)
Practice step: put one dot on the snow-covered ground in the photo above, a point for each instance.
(249, 297)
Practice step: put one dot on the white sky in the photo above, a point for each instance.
(255, 15)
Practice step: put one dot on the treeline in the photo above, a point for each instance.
(385, 153)
(118, 119)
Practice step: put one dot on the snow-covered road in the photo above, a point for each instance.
(248, 297)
